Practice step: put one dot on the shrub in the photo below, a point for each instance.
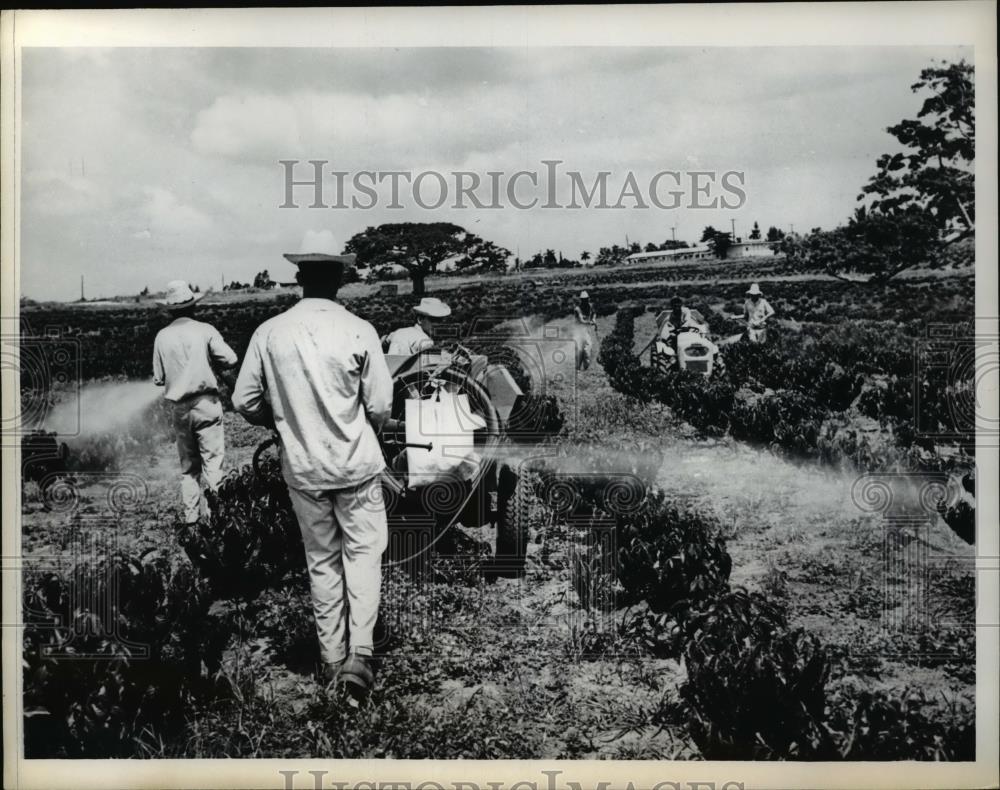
(114, 650)
(252, 539)
(906, 726)
(669, 554)
(754, 690)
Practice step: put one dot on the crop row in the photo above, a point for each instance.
(115, 342)
(104, 681)
(755, 688)
(809, 393)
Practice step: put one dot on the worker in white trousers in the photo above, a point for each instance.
(317, 375)
(186, 354)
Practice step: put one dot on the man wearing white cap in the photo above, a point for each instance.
(585, 317)
(756, 311)
(184, 353)
(414, 339)
(316, 374)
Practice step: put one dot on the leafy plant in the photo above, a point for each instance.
(754, 690)
(252, 539)
(116, 647)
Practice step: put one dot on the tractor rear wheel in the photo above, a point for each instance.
(512, 525)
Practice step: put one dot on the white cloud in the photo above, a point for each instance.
(167, 216)
(246, 125)
(62, 195)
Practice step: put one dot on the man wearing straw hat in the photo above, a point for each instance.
(416, 338)
(185, 354)
(756, 311)
(316, 374)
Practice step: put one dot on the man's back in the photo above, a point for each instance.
(183, 354)
(321, 370)
(408, 340)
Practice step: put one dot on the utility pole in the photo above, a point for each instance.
(673, 233)
(792, 226)
(81, 289)
(734, 230)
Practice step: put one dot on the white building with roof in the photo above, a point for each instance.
(680, 255)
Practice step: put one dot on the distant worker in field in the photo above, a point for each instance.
(416, 338)
(756, 312)
(186, 354)
(670, 323)
(317, 375)
(585, 318)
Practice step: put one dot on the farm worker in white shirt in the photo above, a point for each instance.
(316, 374)
(757, 311)
(585, 317)
(184, 353)
(414, 339)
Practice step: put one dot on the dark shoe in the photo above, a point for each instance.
(330, 673)
(357, 674)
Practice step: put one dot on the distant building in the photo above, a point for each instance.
(750, 249)
(679, 255)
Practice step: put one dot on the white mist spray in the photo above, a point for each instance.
(103, 407)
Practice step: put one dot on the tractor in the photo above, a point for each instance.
(685, 348)
(444, 450)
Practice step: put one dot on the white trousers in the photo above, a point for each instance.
(201, 447)
(345, 532)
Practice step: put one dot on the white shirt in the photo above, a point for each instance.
(321, 371)
(183, 354)
(667, 329)
(757, 314)
(408, 340)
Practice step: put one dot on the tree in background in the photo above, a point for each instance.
(718, 240)
(263, 280)
(418, 247)
(584, 256)
(936, 171)
(775, 234)
(875, 245)
(611, 256)
(920, 201)
(484, 256)
(755, 232)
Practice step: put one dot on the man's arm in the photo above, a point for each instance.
(376, 381)
(158, 375)
(768, 310)
(248, 394)
(222, 355)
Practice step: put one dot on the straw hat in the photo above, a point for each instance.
(179, 294)
(433, 308)
(754, 290)
(319, 246)
(584, 295)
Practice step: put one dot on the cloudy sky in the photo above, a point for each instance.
(148, 164)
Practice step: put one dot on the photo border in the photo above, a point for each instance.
(794, 24)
